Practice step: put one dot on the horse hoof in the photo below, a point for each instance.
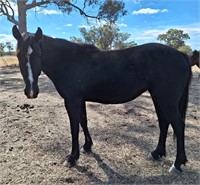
(68, 164)
(82, 150)
(174, 170)
(150, 157)
(85, 151)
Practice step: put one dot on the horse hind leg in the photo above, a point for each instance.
(173, 116)
(160, 150)
(178, 126)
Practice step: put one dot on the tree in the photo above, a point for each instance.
(109, 9)
(186, 49)
(9, 47)
(174, 38)
(105, 37)
(2, 46)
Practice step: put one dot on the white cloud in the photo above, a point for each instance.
(164, 10)
(6, 38)
(145, 38)
(153, 32)
(122, 25)
(149, 11)
(135, 1)
(69, 25)
(191, 30)
(84, 26)
(47, 12)
(149, 35)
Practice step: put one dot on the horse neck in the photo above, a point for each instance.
(56, 54)
(47, 55)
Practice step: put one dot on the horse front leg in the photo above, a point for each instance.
(73, 107)
(88, 140)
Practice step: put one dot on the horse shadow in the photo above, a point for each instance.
(113, 177)
(110, 173)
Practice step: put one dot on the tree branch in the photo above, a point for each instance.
(79, 9)
(7, 10)
(34, 4)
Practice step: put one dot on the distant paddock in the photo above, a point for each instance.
(8, 61)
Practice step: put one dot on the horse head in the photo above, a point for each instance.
(195, 58)
(29, 57)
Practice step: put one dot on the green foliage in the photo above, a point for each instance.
(77, 40)
(174, 38)
(186, 49)
(2, 46)
(106, 37)
(7, 45)
(111, 10)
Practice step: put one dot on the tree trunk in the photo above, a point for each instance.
(22, 15)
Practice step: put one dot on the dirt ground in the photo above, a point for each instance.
(35, 139)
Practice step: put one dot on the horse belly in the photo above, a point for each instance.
(114, 92)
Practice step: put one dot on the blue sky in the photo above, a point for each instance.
(146, 19)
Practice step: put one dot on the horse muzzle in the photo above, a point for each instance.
(31, 94)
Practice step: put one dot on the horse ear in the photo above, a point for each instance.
(16, 33)
(38, 34)
(195, 52)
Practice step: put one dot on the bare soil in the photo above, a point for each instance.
(35, 139)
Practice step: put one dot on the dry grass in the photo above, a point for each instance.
(8, 61)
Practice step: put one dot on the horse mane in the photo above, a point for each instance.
(76, 46)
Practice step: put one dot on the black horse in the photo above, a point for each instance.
(83, 73)
(194, 58)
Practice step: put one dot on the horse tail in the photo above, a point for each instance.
(183, 103)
